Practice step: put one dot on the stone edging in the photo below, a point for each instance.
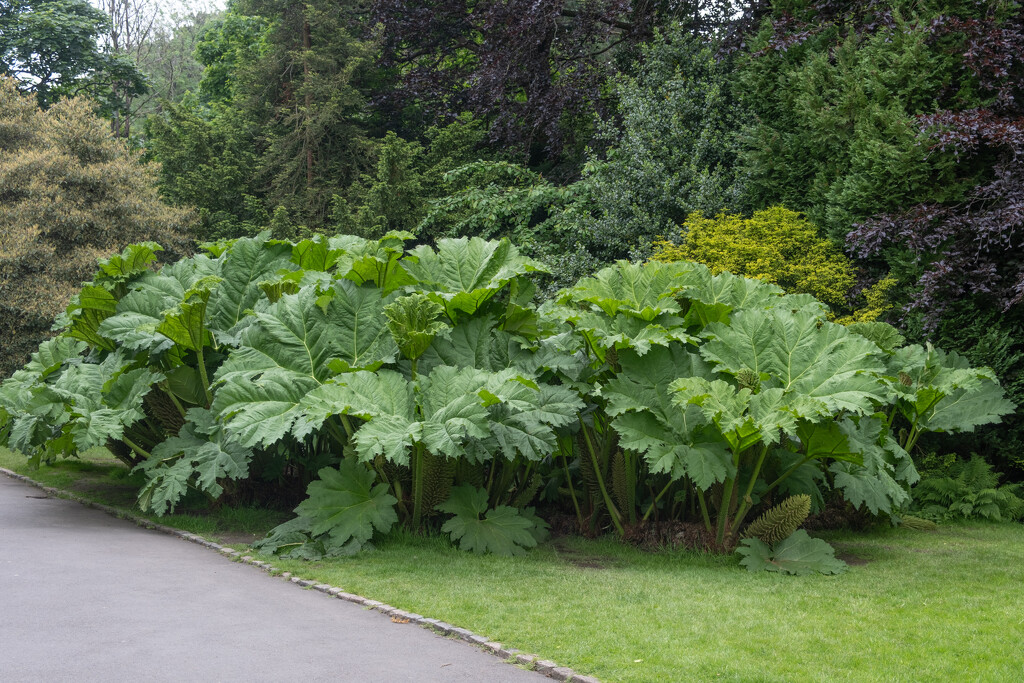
(510, 655)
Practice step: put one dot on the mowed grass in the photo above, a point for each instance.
(915, 606)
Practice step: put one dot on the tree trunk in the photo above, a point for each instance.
(306, 44)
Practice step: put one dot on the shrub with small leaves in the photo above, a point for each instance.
(775, 245)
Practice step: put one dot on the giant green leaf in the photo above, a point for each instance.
(290, 349)
(502, 531)
(941, 392)
(641, 291)
(315, 254)
(873, 482)
(883, 335)
(263, 409)
(345, 505)
(821, 367)
(247, 263)
(52, 354)
(464, 273)
(134, 327)
(190, 458)
(671, 438)
(798, 555)
(524, 420)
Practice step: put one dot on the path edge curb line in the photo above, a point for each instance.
(507, 654)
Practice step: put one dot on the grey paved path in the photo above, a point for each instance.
(86, 597)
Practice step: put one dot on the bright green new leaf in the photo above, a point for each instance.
(185, 324)
(414, 321)
(135, 259)
(86, 312)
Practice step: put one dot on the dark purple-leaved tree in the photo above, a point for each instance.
(532, 69)
(975, 246)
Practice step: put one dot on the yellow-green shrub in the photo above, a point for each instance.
(877, 301)
(775, 245)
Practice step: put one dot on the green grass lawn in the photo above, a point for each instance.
(916, 606)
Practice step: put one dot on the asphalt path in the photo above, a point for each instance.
(87, 597)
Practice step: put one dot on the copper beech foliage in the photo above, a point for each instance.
(529, 67)
(974, 246)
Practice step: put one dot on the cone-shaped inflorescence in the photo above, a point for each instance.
(782, 520)
(918, 524)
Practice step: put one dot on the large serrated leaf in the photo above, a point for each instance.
(191, 458)
(135, 259)
(345, 505)
(502, 531)
(798, 555)
(465, 273)
(248, 262)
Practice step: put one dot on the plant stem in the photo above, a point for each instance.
(417, 484)
(490, 478)
(174, 399)
(338, 436)
(791, 470)
(600, 482)
(723, 510)
(347, 424)
(202, 375)
(747, 502)
(572, 492)
(704, 510)
(141, 451)
(656, 499)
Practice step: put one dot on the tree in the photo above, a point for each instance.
(130, 26)
(672, 144)
(208, 159)
(69, 194)
(775, 245)
(225, 45)
(533, 70)
(170, 63)
(51, 48)
(306, 94)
